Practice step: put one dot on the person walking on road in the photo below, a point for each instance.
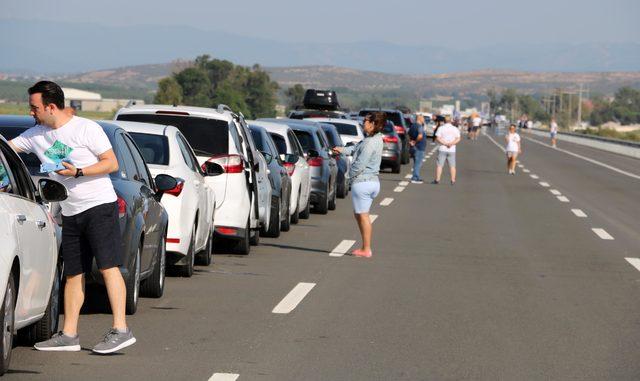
(363, 176)
(476, 122)
(448, 136)
(513, 149)
(553, 132)
(81, 158)
(418, 142)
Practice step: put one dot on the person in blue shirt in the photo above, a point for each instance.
(363, 176)
(418, 143)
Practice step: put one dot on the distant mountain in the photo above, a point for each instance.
(77, 47)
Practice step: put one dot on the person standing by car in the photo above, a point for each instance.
(418, 142)
(553, 132)
(513, 149)
(448, 136)
(77, 152)
(363, 176)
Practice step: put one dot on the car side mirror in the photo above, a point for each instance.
(291, 158)
(51, 190)
(313, 153)
(267, 157)
(163, 184)
(212, 169)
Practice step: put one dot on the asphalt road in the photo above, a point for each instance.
(494, 278)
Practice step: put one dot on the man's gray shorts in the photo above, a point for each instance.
(450, 157)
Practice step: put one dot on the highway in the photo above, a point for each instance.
(525, 277)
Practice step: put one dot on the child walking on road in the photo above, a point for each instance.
(513, 149)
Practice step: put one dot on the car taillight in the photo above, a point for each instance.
(399, 129)
(315, 161)
(177, 189)
(389, 139)
(226, 230)
(122, 207)
(172, 240)
(290, 168)
(230, 163)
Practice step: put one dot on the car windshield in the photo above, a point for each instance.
(207, 137)
(281, 144)
(30, 160)
(346, 129)
(306, 140)
(394, 116)
(154, 148)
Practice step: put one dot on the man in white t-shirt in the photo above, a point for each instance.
(448, 136)
(76, 152)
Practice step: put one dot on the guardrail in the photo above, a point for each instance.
(622, 147)
(595, 137)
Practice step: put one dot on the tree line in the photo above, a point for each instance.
(210, 82)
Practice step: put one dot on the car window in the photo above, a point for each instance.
(16, 178)
(154, 148)
(323, 141)
(293, 140)
(184, 150)
(190, 154)
(127, 167)
(142, 174)
(271, 146)
(7, 183)
(257, 139)
(236, 138)
(306, 140)
(346, 129)
(281, 144)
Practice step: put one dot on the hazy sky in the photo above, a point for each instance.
(461, 23)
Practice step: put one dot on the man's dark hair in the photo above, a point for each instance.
(51, 93)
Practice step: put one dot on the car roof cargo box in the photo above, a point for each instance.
(321, 100)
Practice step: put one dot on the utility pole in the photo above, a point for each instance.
(580, 106)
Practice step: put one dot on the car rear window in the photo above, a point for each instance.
(30, 159)
(334, 139)
(305, 139)
(346, 129)
(393, 116)
(154, 148)
(388, 128)
(206, 136)
(281, 144)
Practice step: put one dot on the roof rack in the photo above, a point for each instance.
(130, 103)
(222, 108)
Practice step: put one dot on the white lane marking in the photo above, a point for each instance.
(544, 184)
(373, 217)
(386, 202)
(293, 298)
(579, 213)
(398, 189)
(635, 262)
(520, 166)
(224, 377)
(526, 170)
(602, 234)
(555, 192)
(403, 183)
(596, 162)
(408, 176)
(342, 248)
(562, 199)
(498, 145)
(535, 177)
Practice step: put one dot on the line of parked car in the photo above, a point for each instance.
(191, 182)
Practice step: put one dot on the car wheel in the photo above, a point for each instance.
(332, 201)
(342, 189)
(133, 286)
(396, 168)
(7, 321)
(187, 270)
(48, 325)
(153, 286)
(285, 226)
(274, 220)
(304, 214)
(204, 257)
(323, 203)
(295, 217)
(243, 246)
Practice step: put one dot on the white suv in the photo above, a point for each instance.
(191, 204)
(217, 136)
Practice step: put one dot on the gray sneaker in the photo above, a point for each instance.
(114, 341)
(59, 342)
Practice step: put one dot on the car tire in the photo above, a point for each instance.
(304, 214)
(204, 258)
(295, 217)
(153, 286)
(342, 189)
(274, 221)
(7, 324)
(395, 168)
(323, 203)
(133, 286)
(243, 246)
(48, 325)
(285, 225)
(332, 201)
(186, 271)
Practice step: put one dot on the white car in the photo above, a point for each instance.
(191, 204)
(29, 268)
(287, 143)
(350, 130)
(217, 136)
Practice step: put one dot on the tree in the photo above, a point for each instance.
(295, 95)
(169, 92)
(195, 87)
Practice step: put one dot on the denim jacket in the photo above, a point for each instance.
(367, 156)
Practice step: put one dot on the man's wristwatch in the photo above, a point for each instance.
(78, 173)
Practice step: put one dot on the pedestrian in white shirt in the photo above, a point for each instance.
(553, 129)
(448, 136)
(513, 149)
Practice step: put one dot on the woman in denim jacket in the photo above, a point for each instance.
(363, 176)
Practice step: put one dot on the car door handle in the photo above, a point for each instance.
(41, 224)
(21, 218)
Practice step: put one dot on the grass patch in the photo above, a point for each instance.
(23, 109)
(611, 133)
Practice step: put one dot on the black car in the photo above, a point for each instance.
(280, 182)
(400, 125)
(391, 148)
(341, 159)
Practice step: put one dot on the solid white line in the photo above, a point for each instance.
(602, 234)
(544, 184)
(635, 262)
(386, 202)
(293, 298)
(562, 199)
(224, 377)
(555, 192)
(373, 217)
(535, 177)
(526, 170)
(579, 213)
(588, 159)
(403, 183)
(398, 189)
(496, 143)
(342, 248)
(408, 176)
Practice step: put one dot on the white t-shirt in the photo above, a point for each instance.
(80, 141)
(554, 127)
(477, 121)
(512, 142)
(448, 133)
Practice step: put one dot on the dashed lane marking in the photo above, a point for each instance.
(526, 170)
(386, 202)
(224, 377)
(535, 177)
(403, 183)
(373, 217)
(544, 184)
(520, 166)
(342, 248)
(635, 262)
(579, 213)
(398, 189)
(602, 234)
(562, 199)
(408, 176)
(555, 192)
(293, 298)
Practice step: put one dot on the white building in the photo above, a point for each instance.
(83, 100)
